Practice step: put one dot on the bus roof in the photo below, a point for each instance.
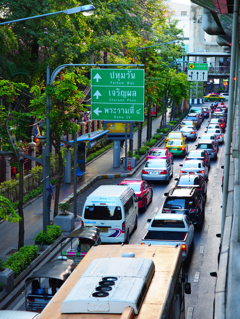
(167, 262)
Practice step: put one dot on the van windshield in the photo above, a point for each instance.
(103, 212)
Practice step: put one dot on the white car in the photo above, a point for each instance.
(18, 314)
(194, 167)
(219, 134)
(157, 170)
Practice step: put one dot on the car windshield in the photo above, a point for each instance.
(175, 142)
(135, 186)
(179, 203)
(192, 164)
(207, 137)
(156, 164)
(157, 153)
(205, 146)
(103, 212)
(195, 154)
(167, 223)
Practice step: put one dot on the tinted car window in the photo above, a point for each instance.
(157, 153)
(156, 164)
(204, 146)
(167, 223)
(103, 212)
(175, 203)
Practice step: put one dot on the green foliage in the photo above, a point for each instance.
(173, 122)
(7, 211)
(64, 207)
(136, 155)
(143, 150)
(151, 142)
(157, 136)
(163, 130)
(99, 152)
(47, 238)
(21, 259)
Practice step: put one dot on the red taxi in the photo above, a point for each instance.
(143, 191)
(159, 152)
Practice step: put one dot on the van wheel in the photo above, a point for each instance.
(127, 238)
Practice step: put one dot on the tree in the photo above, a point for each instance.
(67, 96)
(7, 211)
(12, 121)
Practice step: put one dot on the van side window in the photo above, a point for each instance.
(128, 205)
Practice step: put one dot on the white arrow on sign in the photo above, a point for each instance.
(97, 111)
(97, 77)
(138, 111)
(97, 94)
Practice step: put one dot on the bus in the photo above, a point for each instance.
(123, 281)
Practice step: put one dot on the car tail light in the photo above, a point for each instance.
(200, 172)
(192, 210)
(182, 148)
(184, 247)
(192, 132)
(220, 136)
(163, 172)
(145, 172)
(183, 172)
(123, 227)
(166, 210)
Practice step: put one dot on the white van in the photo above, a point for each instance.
(114, 210)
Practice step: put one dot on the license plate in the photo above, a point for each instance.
(154, 173)
(103, 229)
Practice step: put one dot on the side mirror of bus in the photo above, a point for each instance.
(187, 288)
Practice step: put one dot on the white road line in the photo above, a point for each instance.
(201, 250)
(189, 313)
(196, 276)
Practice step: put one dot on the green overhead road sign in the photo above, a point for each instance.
(117, 94)
(197, 72)
(198, 66)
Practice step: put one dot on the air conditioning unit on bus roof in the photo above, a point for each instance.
(109, 285)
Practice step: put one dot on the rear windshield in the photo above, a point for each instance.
(166, 235)
(191, 164)
(205, 146)
(167, 223)
(179, 203)
(156, 153)
(156, 164)
(103, 212)
(175, 142)
(135, 186)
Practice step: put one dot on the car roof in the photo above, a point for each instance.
(158, 149)
(164, 216)
(157, 160)
(188, 177)
(181, 192)
(132, 181)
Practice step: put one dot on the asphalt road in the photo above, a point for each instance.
(204, 260)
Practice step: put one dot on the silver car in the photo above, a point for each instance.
(189, 132)
(218, 133)
(157, 170)
(194, 167)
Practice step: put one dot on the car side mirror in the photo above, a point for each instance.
(180, 164)
(176, 179)
(222, 166)
(149, 220)
(165, 194)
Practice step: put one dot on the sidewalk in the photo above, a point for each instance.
(103, 165)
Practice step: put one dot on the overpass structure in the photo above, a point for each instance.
(221, 18)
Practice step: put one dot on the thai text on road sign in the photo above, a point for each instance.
(117, 94)
(197, 72)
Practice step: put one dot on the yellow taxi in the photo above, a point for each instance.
(177, 147)
(214, 97)
(175, 135)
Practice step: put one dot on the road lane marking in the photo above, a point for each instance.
(201, 250)
(196, 276)
(189, 312)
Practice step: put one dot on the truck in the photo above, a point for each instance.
(123, 281)
(170, 229)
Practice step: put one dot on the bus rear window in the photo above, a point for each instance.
(103, 212)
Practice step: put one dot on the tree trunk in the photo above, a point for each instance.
(20, 205)
(149, 124)
(105, 57)
(139, 135)
(60, 165)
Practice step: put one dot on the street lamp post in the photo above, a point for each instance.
(85, 10)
